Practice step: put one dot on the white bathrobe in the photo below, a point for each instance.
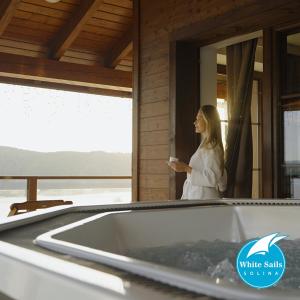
(206, 179)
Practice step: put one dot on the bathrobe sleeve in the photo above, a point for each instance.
(210, 173)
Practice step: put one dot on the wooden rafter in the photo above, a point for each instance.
(121, 49)
(7, 9)
(72, 29)
(24, 67)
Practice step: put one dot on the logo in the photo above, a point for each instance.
(261, 263)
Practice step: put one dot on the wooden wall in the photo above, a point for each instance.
(158, 22)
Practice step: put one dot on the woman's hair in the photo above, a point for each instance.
(213, 130)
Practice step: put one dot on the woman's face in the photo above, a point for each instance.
(200, 124)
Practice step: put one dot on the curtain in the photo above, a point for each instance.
(238, 154)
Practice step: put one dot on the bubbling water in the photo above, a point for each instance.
(217, 259)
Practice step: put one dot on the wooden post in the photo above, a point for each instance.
(32, 189)
(136, 103)
(184, 105)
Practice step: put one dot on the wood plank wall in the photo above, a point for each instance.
(158, 19)
(207, 21)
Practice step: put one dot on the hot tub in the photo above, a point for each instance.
(108, 238)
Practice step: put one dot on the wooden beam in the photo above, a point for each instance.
(23, 67)
(254, 15)
(7, 9)
(293, 49)
(221, 70)
(258, 53)
(120, 50)
(65, 87)
(71, 30)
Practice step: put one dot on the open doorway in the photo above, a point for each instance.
(200, 73)
(214, 90)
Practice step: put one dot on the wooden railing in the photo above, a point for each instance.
(32, 181)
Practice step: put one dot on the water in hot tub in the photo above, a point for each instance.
(217, 259)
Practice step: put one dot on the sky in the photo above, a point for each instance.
(47, 120)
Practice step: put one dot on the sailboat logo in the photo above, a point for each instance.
(262, 246)
(261, 263)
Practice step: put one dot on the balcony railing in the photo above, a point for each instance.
(32, 181)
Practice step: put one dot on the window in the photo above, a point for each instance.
(290, 116)
(292, 66)
(46, 132)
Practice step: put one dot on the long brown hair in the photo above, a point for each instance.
(213, 130)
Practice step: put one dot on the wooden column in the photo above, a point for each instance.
(267, 141)
(278, 140)
(184, 105)
(270, 117)
(135, 103)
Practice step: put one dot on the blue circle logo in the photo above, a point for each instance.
(261, 263)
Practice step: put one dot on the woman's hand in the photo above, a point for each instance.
(179, 166)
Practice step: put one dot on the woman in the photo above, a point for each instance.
(206, 175)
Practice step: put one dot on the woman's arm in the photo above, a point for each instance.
(179, 166)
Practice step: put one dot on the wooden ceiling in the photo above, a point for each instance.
(94, 33)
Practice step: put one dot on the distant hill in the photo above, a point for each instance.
(18, 162)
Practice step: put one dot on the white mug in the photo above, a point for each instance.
(172, 159)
